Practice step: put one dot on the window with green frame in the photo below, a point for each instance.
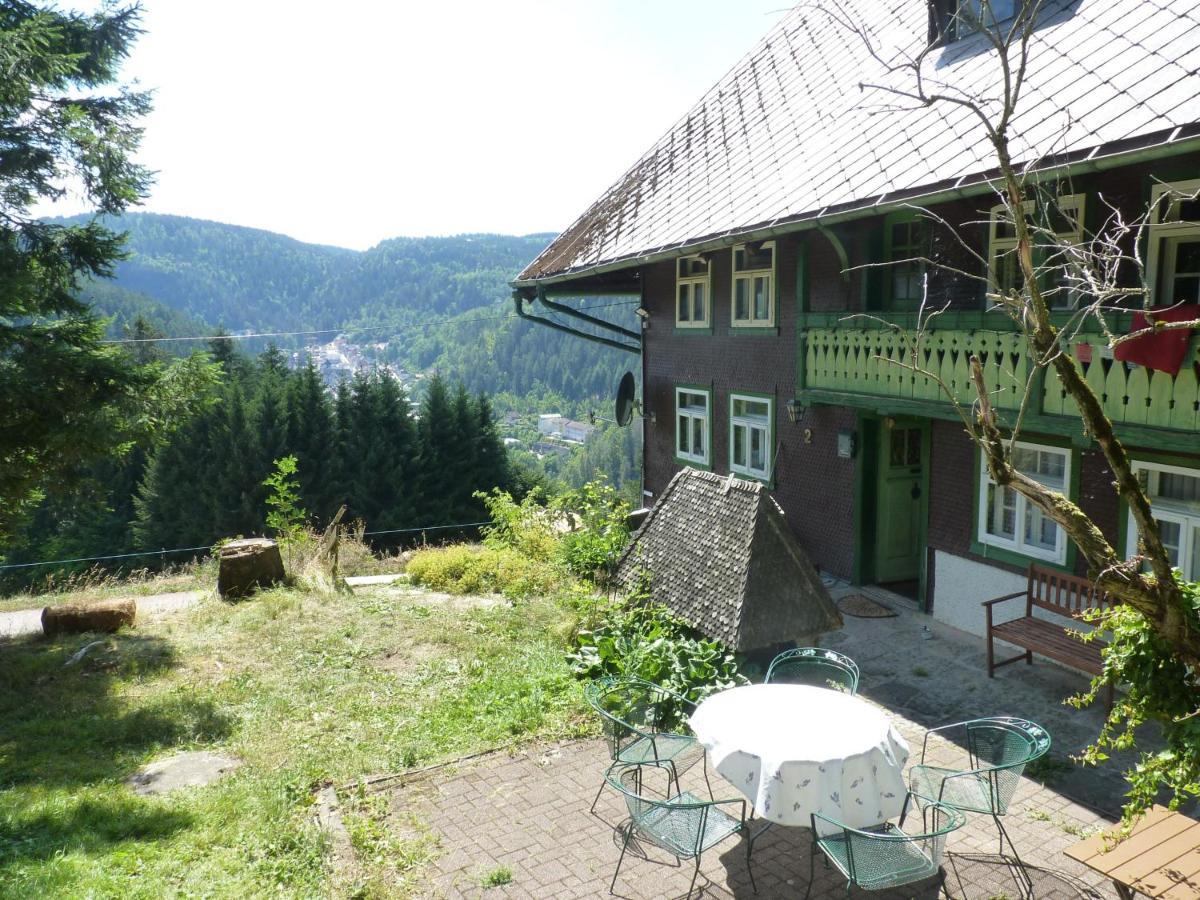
(751, 425)
(692, 425)
(1009, 521)
(1174, 493)
(693, 289)
(753, 298)
(1173, 257)
(906, 245)
(1058, 225)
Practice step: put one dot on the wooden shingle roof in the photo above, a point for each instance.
(790, 134)
(719, 553)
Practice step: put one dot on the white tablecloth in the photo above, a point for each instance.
(794, 750)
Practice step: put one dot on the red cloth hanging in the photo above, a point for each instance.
(1165, 350)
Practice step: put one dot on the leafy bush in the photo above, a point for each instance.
(1160, 689)
(527, 527)
(593, 547)
(468, 569)
(647, 641)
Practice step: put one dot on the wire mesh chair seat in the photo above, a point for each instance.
(998, 750)
(814, 666)
(884, 856)
(683, 825)
(659, 748)
(637, 717)
(968, 791)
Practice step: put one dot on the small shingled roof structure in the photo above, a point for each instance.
(719, 554)
(792, 136)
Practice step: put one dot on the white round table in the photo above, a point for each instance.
(794, 750)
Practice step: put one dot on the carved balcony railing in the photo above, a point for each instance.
(870, 362)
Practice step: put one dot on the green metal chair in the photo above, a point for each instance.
(684, 825)
(884, 856)
(814, 666)
(637, 717)
(998, 750)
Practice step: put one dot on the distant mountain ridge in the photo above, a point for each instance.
(442, 302)
(246, 278)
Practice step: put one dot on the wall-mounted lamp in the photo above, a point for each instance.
(795, 410)
(643, 315)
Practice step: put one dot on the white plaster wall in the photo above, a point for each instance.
(961, 585)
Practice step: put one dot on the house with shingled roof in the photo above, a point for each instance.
(772, 239)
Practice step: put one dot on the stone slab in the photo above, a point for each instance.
(368, 580)
(195, 768)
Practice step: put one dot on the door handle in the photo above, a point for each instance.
(915, 493)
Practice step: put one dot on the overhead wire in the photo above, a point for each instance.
(462, 318)
(206, 547)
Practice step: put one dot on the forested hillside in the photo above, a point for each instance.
(125, 307)
(440, 303)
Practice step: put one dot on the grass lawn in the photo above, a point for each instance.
(307, 689)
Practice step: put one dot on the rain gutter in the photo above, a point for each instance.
(519, 301)
(1094, 161)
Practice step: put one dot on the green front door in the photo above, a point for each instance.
(898, 531)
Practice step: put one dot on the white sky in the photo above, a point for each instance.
(347, 123)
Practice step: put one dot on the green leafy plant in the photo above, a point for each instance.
(1160, 688)
(601, 532)
(285, 516)
(527, 527)
(648, 641)
(498, 877)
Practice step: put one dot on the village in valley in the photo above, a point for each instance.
(810, 508)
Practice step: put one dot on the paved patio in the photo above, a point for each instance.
(529, 812)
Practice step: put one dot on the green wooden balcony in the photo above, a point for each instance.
(860, 365)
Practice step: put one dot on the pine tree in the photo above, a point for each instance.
(267, 415)
(60, 388)
(436, 432)
(492, 465)
(236, 489)
(313, 440)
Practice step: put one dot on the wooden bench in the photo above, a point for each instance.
(1060, 593)
(1160, 858)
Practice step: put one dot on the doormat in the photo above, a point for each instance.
(864, 608)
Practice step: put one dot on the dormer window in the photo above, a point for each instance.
(693, 292)
(754, 285)
(954, 19)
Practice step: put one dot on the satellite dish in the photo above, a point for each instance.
(625, 401)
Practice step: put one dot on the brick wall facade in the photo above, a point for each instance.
(812, 484)
(809, 475)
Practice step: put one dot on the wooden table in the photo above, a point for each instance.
(1160, 858)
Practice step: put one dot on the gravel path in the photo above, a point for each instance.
(29, 621)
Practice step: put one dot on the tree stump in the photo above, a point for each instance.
(76, 618)
(248, 565)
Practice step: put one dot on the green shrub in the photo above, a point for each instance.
(527, 527)
(1160, 687)
(592, 548)
(647, 641)
(468, 569)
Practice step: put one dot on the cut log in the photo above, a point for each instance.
(248, 565)
(76, 618)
